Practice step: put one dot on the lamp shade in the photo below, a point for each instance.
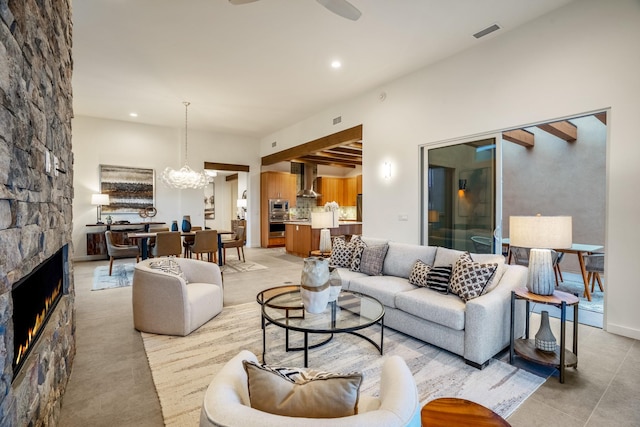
(100, 199)
(541, 232)
(321, 219)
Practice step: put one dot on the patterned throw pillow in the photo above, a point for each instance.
(341, 253)
(419, 273)
(469, 278)
(372, 259)
(296, 392)
(438, 278)
(168, 265)
(358, 248)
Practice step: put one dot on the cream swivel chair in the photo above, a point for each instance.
(205, 242)
(226, 401)
(119, 251)
(237, 243)
(165, 303)
(167, 243)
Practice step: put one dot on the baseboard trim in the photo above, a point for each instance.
(623, 330)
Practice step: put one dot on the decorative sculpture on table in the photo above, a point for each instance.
(314, 284)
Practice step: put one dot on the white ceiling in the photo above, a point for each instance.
(256, 68)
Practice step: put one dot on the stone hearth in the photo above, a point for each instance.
(36, 192)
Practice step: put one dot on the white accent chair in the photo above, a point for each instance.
(163, 303)
(226, 402)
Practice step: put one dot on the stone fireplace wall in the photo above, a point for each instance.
(36, 192)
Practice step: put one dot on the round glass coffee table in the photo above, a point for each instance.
(351, 312)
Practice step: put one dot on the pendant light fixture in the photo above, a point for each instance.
(185, 177)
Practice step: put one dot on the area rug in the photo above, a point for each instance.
(237, 266)
(121, 276)
(183, 367)
(573, 284)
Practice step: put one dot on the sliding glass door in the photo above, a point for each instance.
(461, 197)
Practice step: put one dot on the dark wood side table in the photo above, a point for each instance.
(451, 411)
(526, 347)
(320, 254)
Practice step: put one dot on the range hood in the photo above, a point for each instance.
(309, 174)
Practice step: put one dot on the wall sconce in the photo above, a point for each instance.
(462, 184)
(386, 170)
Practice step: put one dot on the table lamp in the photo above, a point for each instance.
(324, 221)
(540, 234)
(98, 200)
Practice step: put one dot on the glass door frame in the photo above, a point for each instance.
(424, 184)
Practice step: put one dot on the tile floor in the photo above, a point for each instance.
(111, 383)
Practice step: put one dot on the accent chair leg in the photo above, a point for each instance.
(110, 265)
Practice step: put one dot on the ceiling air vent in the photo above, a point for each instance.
(488, 30)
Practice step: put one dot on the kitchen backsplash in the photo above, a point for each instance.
(304, 207)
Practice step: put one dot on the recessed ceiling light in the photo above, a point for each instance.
(336, 64)
(133, 114)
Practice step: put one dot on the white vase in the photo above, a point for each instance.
(540, 278)
(314, 284)
(335, 284)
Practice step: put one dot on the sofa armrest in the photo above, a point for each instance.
(488, 317)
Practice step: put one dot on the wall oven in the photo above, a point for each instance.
(278, 213)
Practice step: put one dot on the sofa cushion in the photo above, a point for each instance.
(341, 253)
(438, 278)
(296, 392)
(446, 310)
(446, 256)
(347, 275)
(469, 279)
(373, 259)
(419, 273)
(382, 288)
(402, 256)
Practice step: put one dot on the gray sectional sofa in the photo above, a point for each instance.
(476, 329)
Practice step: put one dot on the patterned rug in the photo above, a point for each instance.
(237, 266)
(182, 367)
(573, 284)
(121, 276)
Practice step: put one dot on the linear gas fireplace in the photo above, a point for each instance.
(35, 297)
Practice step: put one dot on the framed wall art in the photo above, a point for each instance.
(130, 189)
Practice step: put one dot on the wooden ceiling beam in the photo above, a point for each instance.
(323, 162)
(344, 137)
(563, 130)
(520, 137)
(602, 117)
(226, 167)
(337, 157)
(343, 151)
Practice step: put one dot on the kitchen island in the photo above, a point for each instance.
(300, 239)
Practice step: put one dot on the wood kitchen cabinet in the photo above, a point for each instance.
(298, 239)
(341, 190)
(359, 184)
(274, 185)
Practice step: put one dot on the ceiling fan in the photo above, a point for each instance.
(339, 7)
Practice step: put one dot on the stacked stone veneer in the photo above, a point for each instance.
(35, 204)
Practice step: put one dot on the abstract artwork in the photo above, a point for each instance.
(129, 189)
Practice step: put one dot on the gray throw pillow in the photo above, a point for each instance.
(372, 259)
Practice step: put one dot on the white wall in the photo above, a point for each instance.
(578, 59)
(99, 141)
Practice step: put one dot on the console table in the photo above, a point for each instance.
(96, 244)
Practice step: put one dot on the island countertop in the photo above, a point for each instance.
(308, 222)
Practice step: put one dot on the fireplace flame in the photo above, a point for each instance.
(38, 322)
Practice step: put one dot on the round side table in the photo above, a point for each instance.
(451, 411)
(321, 254)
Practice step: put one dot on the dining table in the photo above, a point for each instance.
(141, 238)
(580, 250)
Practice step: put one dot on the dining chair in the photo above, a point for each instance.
(205, 242)
(594, 265)
(237, 242)
(188, 240)
(167, 243)
(151, 241)
(119, 251)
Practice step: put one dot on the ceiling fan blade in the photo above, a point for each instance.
(241, 1)
(342, 8)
